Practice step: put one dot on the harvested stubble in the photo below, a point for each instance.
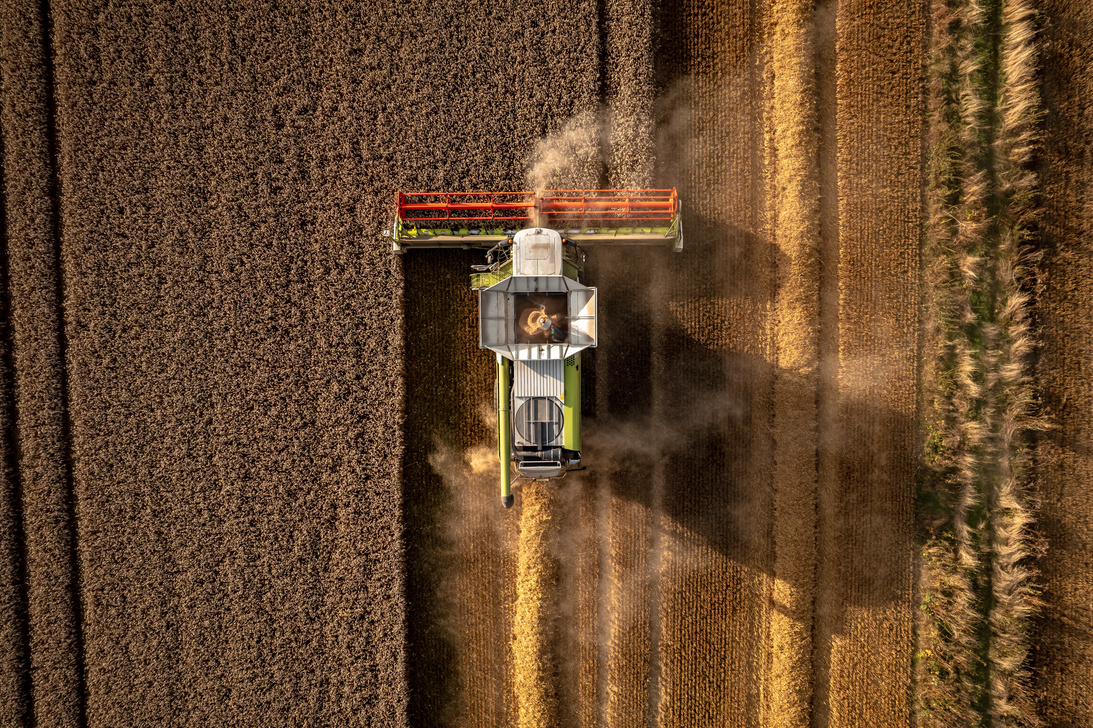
(461, 551)
(716, 541)
(624, 371)
(864, 622)
(1064, 657)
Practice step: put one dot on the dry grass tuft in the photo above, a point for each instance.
(975, 572)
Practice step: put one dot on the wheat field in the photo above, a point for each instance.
(838, 448)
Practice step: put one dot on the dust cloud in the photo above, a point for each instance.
(571, 157)
(578, 153)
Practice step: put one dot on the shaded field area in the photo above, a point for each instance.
(248, 463)
(708, 566)
(1064, 648)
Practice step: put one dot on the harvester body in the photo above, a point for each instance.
(537, 320)
(535, 313)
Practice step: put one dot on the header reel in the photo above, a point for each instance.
(484, 219)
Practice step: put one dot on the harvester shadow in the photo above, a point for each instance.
(683, 419)
(679, 422)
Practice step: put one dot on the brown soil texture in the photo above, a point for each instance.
(1064, 653)
(247, 468)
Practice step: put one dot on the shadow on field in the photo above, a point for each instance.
(699, 402)
(446, 376)
(682, 380)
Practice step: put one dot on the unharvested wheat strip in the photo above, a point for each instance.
(976, 399)
(795, 186)
(966, 433)
(944, 700)
(628, 79)
(15, 664)
(1010, 518)
(864, 622)
(532, 660)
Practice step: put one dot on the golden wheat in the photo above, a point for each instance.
(979, 202)
(1010, 518)
(795, 182)
(533, 671)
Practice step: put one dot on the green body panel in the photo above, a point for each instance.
(408, 235)
(571, 407)
(411, 231)
(491, 278)
(504, 425)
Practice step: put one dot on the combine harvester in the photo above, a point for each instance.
(534, 312)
